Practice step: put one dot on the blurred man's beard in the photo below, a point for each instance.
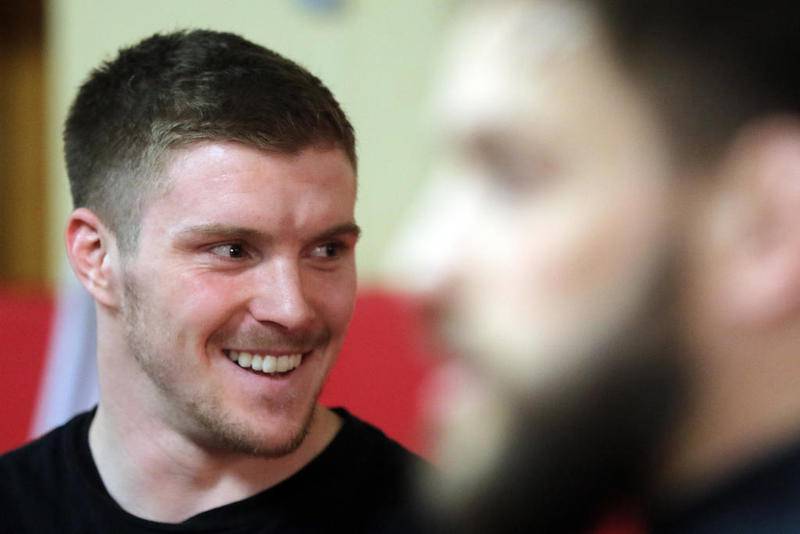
(204, 418)
(587, 443)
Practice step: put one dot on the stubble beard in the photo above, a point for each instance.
(203, 419)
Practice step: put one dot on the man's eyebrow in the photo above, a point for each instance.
(218, 230)
(340, 229)
(226, 231)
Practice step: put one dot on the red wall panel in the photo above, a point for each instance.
(25, 322)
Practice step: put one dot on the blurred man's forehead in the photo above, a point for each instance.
(541, 78)
(502, 54)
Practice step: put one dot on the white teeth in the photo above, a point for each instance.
(244, 359)
(265, 363)
(269, 364)
(283, 364)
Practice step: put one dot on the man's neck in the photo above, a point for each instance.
(743, 409)
(158, 474)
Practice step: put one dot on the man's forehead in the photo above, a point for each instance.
(208, 168)
(226, 152)
(565, 98)
(222, 182)
(502, 56)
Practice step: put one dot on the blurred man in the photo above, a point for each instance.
(625, 289)
(214, 183)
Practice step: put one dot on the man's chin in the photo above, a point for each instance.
(274, 436)
(552, 460)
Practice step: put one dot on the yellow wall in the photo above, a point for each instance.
(22, 169)
(377, 56)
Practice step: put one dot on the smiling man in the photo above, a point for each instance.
(214, 183)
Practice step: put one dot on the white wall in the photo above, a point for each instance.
(377, 56)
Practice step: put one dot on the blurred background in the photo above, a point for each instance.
(378, 57)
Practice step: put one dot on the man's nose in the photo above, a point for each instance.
(434, 251)
(279, 296)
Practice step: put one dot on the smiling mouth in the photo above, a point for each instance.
(265, 363)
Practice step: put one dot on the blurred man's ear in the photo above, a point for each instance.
(763, 237)
(92, 253)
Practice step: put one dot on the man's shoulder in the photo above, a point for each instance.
(363, 445)
(760, 496)
(39, 470)
(38, 480)
(49, 440)
(363, 481)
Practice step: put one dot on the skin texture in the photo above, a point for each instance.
(246, 250)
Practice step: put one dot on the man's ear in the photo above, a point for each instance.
(92, 253)
(764, 168)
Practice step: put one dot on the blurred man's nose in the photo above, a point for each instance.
(435, 244)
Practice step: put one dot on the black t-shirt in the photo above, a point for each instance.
(762, 497)
(362, 482)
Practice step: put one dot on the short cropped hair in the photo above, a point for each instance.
(174, 89)
(711, 66)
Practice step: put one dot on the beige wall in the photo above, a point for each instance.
(377, 56)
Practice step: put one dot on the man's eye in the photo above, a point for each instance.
(328, 250)
(229, 250)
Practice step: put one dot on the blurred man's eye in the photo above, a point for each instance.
(517, 181)
(513, 170)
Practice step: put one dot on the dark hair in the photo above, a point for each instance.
(712, 66)
(173, 89)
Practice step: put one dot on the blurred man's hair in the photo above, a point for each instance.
(711, 66)
(174, 89)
